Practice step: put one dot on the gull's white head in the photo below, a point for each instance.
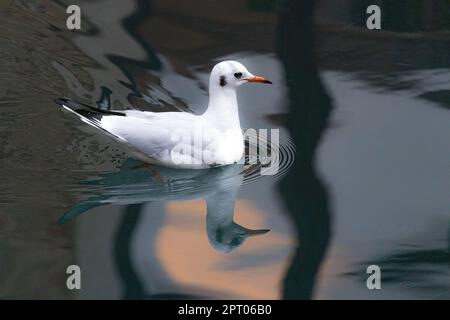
(231, 74)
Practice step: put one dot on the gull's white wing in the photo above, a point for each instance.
(152, 135)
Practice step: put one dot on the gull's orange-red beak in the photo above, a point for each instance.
(257, 79)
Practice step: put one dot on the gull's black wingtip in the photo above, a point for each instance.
(62, 101)
(82, 108)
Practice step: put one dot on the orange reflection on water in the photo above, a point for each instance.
(253, 271)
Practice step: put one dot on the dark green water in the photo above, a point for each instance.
(367, 182)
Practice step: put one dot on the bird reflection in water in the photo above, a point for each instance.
(217, 186)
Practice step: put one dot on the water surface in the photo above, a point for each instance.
(364, 125)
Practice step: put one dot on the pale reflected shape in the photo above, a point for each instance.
(186, 256)
(217, 186)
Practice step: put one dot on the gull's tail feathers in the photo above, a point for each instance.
(89, 114)
(86, 111)
(93, 117)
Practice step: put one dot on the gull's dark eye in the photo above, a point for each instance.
(238, 75)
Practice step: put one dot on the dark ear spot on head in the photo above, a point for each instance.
(222, 82)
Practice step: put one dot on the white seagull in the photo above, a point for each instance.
(181, 139)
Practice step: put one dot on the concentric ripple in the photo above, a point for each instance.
(280, 157)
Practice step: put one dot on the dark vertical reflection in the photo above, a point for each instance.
(304, 194)
(133, 288)
(130, 281)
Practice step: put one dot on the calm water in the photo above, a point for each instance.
(365, 155)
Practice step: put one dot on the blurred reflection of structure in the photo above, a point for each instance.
(303, 191)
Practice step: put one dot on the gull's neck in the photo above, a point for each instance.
(220, 210)
(223, 108)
